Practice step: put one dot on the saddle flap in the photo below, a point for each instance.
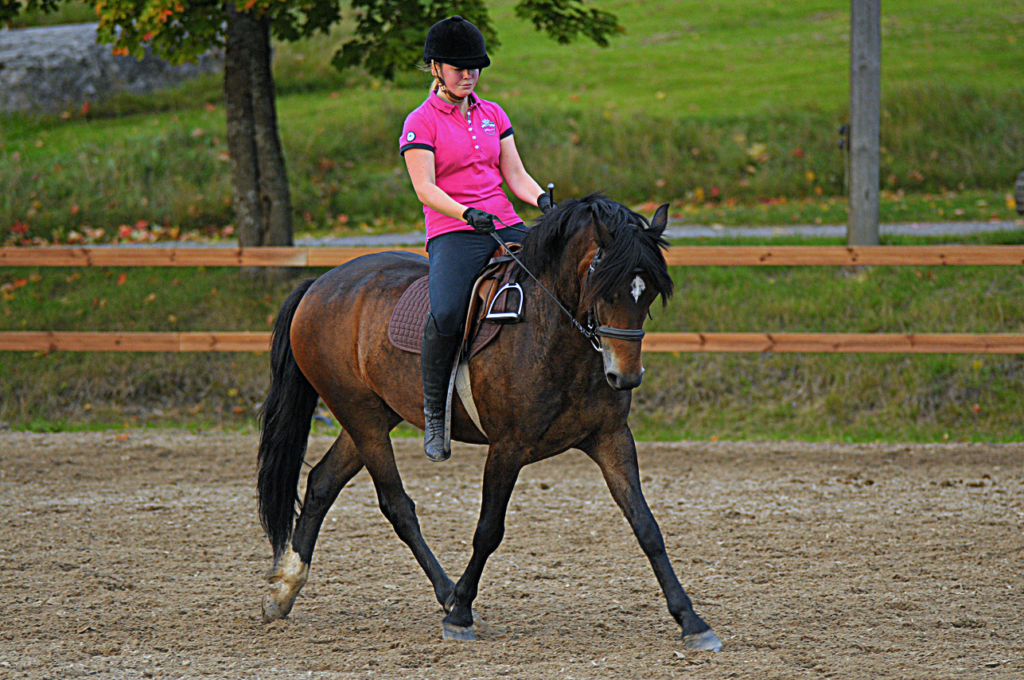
(405, 330)
(490, 295)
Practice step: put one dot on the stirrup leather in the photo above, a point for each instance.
(448, 406)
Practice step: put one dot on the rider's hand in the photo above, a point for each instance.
(545, 203)
(482, 222)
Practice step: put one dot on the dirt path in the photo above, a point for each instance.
(141, 557)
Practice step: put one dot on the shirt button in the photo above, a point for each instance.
(474, 136)
(476, 147)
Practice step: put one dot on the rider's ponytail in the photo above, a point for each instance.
(436, 83)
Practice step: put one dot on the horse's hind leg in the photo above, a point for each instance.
(325, 482)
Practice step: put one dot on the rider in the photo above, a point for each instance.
(458, 148)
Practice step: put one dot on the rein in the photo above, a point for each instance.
(593, 331)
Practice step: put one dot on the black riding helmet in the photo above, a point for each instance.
(456, 42)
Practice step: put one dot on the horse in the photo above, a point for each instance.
(595, 268)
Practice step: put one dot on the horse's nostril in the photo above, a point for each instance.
(620, 382)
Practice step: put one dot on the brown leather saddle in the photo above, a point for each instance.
(497, 300)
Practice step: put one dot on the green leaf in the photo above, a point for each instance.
(564, 20)
(390, 33)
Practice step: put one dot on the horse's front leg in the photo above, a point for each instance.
(615, 453)
(500, 474)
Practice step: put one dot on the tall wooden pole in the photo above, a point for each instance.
(865, 117)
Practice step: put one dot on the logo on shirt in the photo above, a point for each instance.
(488, 126)
(411, 136)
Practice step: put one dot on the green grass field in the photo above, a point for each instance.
(719, 57)
(727, 109)
(713, 105)
(854, 397)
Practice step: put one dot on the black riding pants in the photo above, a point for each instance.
(456, 259)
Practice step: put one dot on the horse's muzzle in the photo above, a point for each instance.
(621, 381)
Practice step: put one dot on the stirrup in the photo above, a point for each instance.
(505, 317)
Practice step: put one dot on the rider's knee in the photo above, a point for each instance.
(448, 322)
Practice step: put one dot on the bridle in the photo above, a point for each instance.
(593, 331)
(594, 327)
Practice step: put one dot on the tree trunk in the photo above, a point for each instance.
(241, 128)
(274, 195)
(258, 177)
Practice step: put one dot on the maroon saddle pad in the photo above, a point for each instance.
(410, 315)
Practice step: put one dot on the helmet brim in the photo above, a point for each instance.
(468, 62)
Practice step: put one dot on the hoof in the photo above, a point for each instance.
(702, 642)
(286, 579)
(272, 610)
(450, 632)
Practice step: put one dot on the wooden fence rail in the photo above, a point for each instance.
(687, 256)
(919, 343)
(692, 256)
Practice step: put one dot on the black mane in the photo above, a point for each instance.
(633, 246)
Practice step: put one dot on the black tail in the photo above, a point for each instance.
(285, 420)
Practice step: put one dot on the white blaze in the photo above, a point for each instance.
(637, 288)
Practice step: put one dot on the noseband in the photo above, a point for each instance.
(593, 331)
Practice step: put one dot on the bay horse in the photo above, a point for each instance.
(596, 259)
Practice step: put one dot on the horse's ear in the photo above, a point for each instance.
(660, 220)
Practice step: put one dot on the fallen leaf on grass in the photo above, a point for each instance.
(122, 278)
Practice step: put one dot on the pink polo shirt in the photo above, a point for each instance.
(466, 154)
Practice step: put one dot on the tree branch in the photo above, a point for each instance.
(564, 20)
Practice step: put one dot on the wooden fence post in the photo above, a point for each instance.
(865, 118)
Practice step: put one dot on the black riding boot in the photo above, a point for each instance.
(436, 359)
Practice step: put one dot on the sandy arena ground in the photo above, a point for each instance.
(140, 556)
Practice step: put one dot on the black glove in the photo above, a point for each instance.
(545, 203)
(482, 222)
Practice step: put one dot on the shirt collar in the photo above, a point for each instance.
(445, 107)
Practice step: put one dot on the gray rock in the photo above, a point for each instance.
(56, 67)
